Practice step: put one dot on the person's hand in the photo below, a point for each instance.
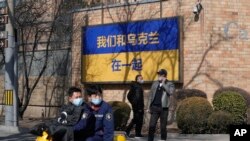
(140, 111)
(63, 115)
(62, 121)
(148, 111)
(164, 80)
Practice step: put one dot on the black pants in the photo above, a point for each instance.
(62, 133)
(137, 121)
(156, 113)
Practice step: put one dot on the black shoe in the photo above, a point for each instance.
(138, 136)
(127, 133)
(38, 129)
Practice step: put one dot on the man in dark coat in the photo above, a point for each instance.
(73, 122)
(135, 97)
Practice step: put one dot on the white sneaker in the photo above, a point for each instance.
(136, 137)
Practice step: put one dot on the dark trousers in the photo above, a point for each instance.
(95, 138)
(62, 133)
(156, 113)
(58, 132)
(137, 121)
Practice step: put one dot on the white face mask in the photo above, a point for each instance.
(96, 101)
(77, 101)
(160, 78)
(140, 81)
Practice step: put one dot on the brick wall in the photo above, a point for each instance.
(227, 44)
(215, 48)
(49, 94)
(143, 12)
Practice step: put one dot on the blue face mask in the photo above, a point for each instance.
(77, 101)
(96, 101)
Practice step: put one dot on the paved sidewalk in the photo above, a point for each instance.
(21, 133)
(188, 137)
(171, 137)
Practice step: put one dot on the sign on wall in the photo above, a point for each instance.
(118, 52)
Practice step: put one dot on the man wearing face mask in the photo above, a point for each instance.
(104, 124)
(73, 120)
(158, 104)
(135, 97)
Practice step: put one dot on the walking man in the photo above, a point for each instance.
(135, 97)
(158, 104)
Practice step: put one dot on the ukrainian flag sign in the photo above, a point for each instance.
(118, 52)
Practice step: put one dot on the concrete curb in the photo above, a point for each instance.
(188, 137)
(13, 129)
(197, 136)
(182, 137)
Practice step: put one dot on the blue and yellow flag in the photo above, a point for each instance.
(118, 52)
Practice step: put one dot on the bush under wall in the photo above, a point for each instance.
(240, 91)
(186, 93)
(219, 121)
(121, 111)
(192, 115)
(233, 103)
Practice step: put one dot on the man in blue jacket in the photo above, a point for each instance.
(104, 122)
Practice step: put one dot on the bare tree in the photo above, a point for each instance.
(41, 25)
(2, 61)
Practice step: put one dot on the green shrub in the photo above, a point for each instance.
(233, 103)
(192, 115)
(248, 115)
(121, 111)
(219, 121)
(242, 92)
(185, 93)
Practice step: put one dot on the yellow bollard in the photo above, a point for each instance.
(44, 137)
(119, 137)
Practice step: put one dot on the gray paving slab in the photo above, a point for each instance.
(15, 134)
(21, 134)
(7, 135)
(185, 137)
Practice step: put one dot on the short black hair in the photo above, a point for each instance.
(137, 76)
(93, 89)
(72, 90)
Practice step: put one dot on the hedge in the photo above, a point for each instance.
(219, 121)
(233, 103)
(242, 92)
(186, 93)
(121, 111)
(192, 115)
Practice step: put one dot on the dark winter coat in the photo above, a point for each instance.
(135, 96)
